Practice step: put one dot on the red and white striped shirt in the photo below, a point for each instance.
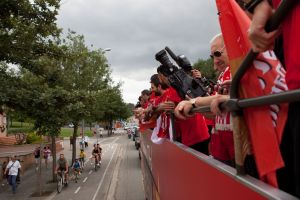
(223, 122)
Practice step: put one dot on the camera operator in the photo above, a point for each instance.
(192, 131)
(222, 147)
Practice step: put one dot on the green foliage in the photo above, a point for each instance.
(206, 68)
(58, 80)
(20, 130)
(27, 30)
(67, 132)
(33, 138)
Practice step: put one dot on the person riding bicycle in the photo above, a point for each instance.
(81, 157)
(76, 166)
(62, 166)
(97, 153)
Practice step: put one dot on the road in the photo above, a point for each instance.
(119, 177)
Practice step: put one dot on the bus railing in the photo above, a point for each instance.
(234, 105)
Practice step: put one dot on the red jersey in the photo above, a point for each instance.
(193, 130)
(291, 45)
(223, 122)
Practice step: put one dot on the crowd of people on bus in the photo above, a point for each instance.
(213, 134)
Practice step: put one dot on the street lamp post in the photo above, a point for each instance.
(106, 49)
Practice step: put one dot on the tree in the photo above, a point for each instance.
(206, 68)
(45, 100)
(27, 30)
(111, 104)
(86, 73)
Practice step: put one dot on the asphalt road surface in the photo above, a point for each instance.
(119, 176)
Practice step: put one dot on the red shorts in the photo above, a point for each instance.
(222, 146)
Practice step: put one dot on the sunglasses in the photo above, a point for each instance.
(217, 54)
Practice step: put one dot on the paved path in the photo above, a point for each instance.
(118, 178)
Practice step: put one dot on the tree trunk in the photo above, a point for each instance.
(74, 141)
(110, 126)
(53, 144)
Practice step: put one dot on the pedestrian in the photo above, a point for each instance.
(71, 141)
(37, 156)
(101, 132)
(46, 154)
(13, 168)
(82, 142)
(86, 139)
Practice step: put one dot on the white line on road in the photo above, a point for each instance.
(84, 180)
(102, 179)
(114, 179)
(77, 190)
(90, 171)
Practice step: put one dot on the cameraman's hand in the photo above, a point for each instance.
(182, 110)
(224, 87)
(214, 106)
(196, 73)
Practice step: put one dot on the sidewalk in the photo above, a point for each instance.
(17, 149)
(29, 181)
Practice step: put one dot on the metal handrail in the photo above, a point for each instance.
(233, 105)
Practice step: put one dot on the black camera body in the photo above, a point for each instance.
(180, 78)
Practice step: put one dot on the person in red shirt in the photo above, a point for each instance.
(193, 131)
(289, 176)
(145, 95)
(222, 147)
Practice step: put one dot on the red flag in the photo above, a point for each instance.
(265, 76)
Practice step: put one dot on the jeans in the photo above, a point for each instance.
(12, 181)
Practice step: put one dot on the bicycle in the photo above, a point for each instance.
(97, 162)
(76, 176)
(61, 180)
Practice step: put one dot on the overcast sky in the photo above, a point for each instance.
(136, 29)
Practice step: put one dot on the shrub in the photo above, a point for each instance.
(33, 138)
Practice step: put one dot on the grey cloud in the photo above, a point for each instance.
(137, 29)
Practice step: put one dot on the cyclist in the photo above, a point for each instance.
(82, 157)
(62, 166)
(76, 166)
(97, 154)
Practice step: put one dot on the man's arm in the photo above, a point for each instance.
(56, 168)
(182, 111)
(259, 38)
(165, 106)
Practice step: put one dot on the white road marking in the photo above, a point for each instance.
(77, 190)
(90, 171)
(84, 180)
(113, 184)
(104, 174)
